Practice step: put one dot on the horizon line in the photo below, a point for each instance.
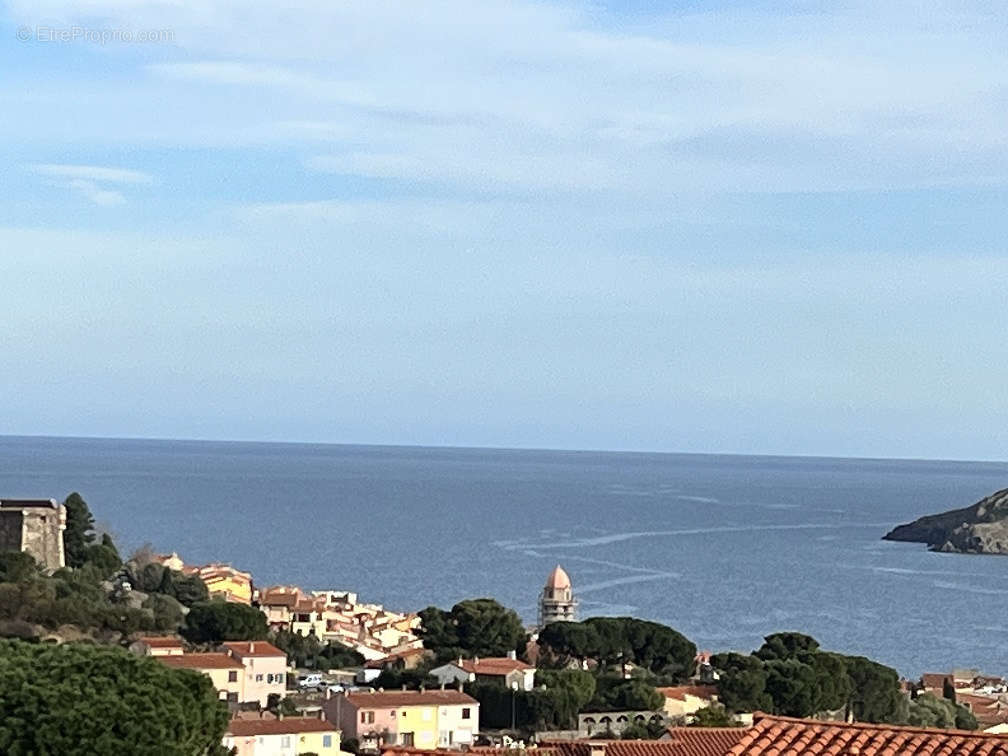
(480, 447)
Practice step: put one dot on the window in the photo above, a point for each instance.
(327, 741)
(269, 678)
(407, 739)
(258, 678)
(279, 678)
(232, 697)
(233, 676)
(367, 717)
(466, 713)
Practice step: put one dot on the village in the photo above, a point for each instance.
(321, 672)
(342, 707)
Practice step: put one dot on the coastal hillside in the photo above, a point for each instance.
(979, 529)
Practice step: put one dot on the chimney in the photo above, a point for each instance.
(423, 688)
(442, 686)
(597, 748)
(512, 654)
(460, 686)
(252, 647)
(475, 660)
(404, 687)
(460, 660)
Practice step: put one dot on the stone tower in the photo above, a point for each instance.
(557, 603)
(36, 527)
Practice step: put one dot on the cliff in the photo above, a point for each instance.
(979, 529)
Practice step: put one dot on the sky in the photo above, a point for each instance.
(753, 227)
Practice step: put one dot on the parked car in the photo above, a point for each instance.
(313, 681)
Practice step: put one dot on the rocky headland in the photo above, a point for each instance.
(979, 529)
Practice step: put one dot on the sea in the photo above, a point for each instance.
(725, 549)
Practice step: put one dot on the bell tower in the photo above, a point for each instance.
(557, 602)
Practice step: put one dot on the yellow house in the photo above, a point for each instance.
(282, 737)
(227, 674)
(685, 700)
(224, 581)
(418, 724)
(421, 719)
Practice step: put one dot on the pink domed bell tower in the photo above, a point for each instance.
(557, 602)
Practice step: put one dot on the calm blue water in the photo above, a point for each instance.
(724, 548)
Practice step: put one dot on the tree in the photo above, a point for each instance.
(17, 566)
(79, 532)
(103, 555)
(616, 641)
(217, 621)
(474, 627)
(742, 683)
(948, 690)
(875, 691)
(792, 686)
(787, 646)
(714, 715)
(77, 699)
(308, 651)
(617, 694)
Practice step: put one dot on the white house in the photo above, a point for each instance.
(507, 670)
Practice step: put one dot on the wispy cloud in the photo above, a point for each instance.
(92, 181)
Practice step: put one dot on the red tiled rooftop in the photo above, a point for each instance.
(253, 648)
(678, 741)
(200, 661)
(497, 665)
(703, 741)
(285, 726)
(679, 692)
(397, 698)
(162, 642)
(774, 736)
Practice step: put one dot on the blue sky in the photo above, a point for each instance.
(730, 227)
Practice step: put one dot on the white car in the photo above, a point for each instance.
(311, 681)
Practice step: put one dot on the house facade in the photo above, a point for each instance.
(506, 671)
(287, 736)
(423, 719)
(158, 646)
(224, 581)
(226, 673)
(264, 669)
(683, 701)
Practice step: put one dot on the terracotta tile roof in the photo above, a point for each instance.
(773, 736)
(395, 698)
(253, 648)
(479, 750)
(704, 741)
(678, 741)
(679, 692)
(285, 726)
(162, 642)
(988, 710)
(493, 666)
(200, 661)
(398, 656)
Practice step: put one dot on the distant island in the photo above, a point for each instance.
(979, 529)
